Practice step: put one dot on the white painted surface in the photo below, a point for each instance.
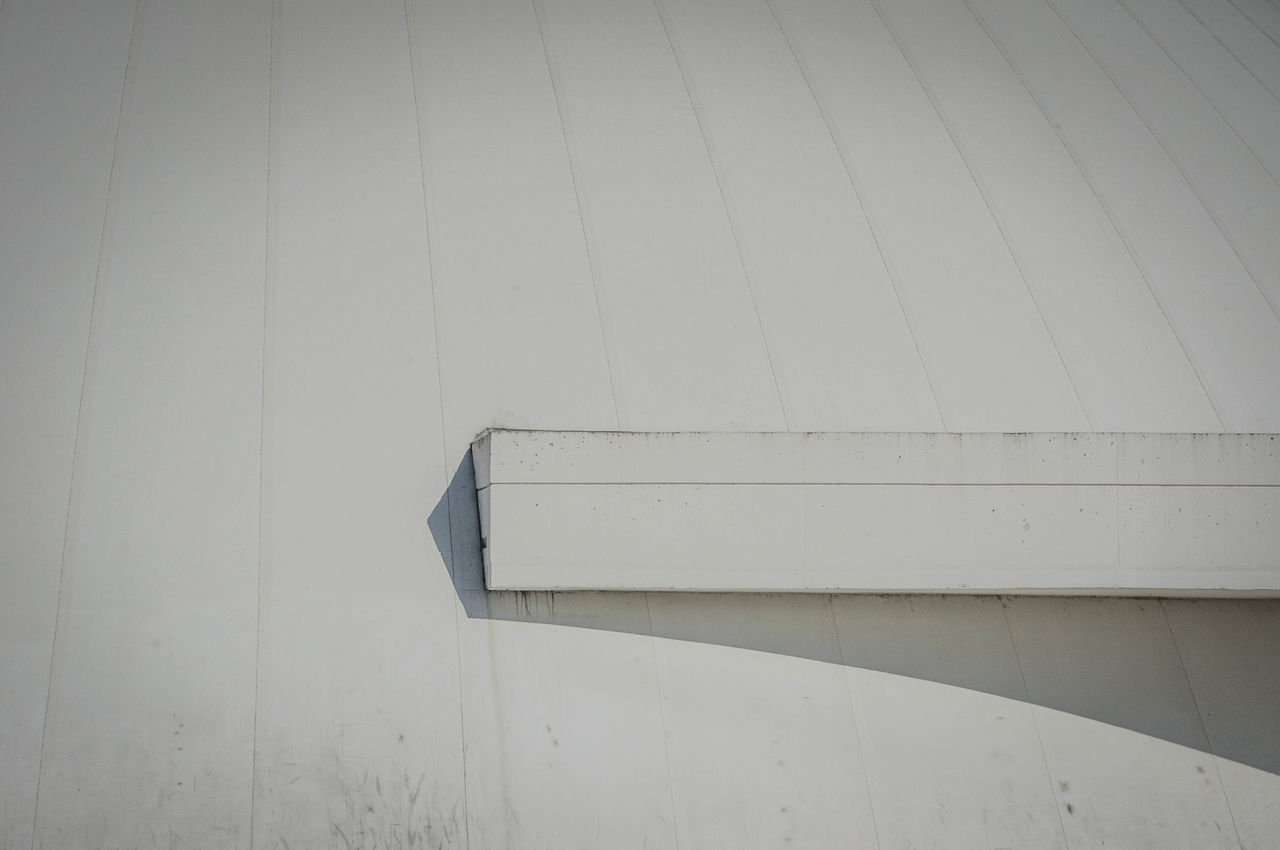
(1158, 789)
(1263, 15)
(575, 457)
(60, 77)
(152, 697)
(504, 456)
(1124, 360)
(1245, 690)
(1208, 295)
(1248, 45)
(840, 344)
(1228, 176)
(358, 696)
(1183, 459)
(1055, 513)
(936, 682)
(1238, 95)
(782, 718)
(552, 710)
(1236, 701)
(999, 364)
(680, 321)
(568, 215)
(151, 700)
(507, 251)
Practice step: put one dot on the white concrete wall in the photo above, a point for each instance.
(1083, 514)
(266, 268)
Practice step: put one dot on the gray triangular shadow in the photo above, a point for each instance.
(943, 640)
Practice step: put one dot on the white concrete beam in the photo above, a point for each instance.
(1133, 514)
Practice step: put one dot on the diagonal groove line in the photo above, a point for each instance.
(752, 285)
(94, 330)
(1204, 726)
(265, 429)
(992, 208)
(1120, 232)
(1234, 56)
(1259, 27)
(1035, 721)
(662, 718)
(1187, 75)
(856, 184)
(602, 312)
(425, 178)
(1115, 84)
(847, 673)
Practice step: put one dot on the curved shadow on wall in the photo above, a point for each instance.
(1202, 674)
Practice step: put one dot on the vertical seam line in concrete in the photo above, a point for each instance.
(602, 312)
(426, 224)
(1259, 27)
(1106, 209)
(1208, 742)
(853, 718)
(662, 718)
(424, 183)
(458, 613)
(508, 599)
(1119, 490)
(752, 287)
(424, 178)
(462, 715)
(992, 210)
(1165, 50)
(265, 421)
(1035, 721)
(93, 331)
(1225, 47)
(1231, 242)
(856, 184)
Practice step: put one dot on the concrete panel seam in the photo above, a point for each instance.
(856, 184)
(424, 172)
(1120, 232)
(662, 718)
(979, 184)
(1208, 741)
(1165, 50)
(85, 382)
(1234, 56)
(730, 216)
(1035, 721)
(853, 715)
(1231, 241)
(1255, 23)
(265, 430)
(597, 287)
